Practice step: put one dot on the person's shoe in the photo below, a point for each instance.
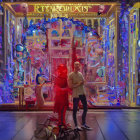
(86, 127)
(78, 128)
(68, 125)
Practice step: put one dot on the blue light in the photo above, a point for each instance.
(139, 43)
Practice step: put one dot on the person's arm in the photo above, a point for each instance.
(71, 85)
(82, 81)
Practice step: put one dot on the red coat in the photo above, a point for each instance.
(61, 91)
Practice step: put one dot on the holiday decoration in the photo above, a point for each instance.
(123, 46)
(19, 48)
(101, 9)
(24, 8)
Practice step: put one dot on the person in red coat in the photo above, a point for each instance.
(61, 94)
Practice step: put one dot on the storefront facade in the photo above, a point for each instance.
(60, 33)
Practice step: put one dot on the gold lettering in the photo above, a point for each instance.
(36, 8)
(67, 8)
(85, 9)
(47, 9)
(43, 8)
(50, 8)
(77, 8)
(58, 8)
(64, 9)
(72, 9)
(81, 8)
(40, 10)
(53, 8)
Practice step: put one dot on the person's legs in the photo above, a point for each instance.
(75, 106)
(59, 118)
(63, 116)
(84, 102)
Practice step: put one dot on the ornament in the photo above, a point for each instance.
(99, 51)
(139, 43)
(101, 72)
(101, 8)
(19, 48)
(24, 8)
(25, 23)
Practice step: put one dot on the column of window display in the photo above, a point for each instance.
(95, 24)
(90, 23)
(54, 37)
(33, 42)
(98, 29)
(1, 49)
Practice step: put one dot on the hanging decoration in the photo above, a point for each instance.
(25, 23)
(123, 47)
(24, 8)
(101, 71)
(50, 23)
(19, 48)
(101, 9)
